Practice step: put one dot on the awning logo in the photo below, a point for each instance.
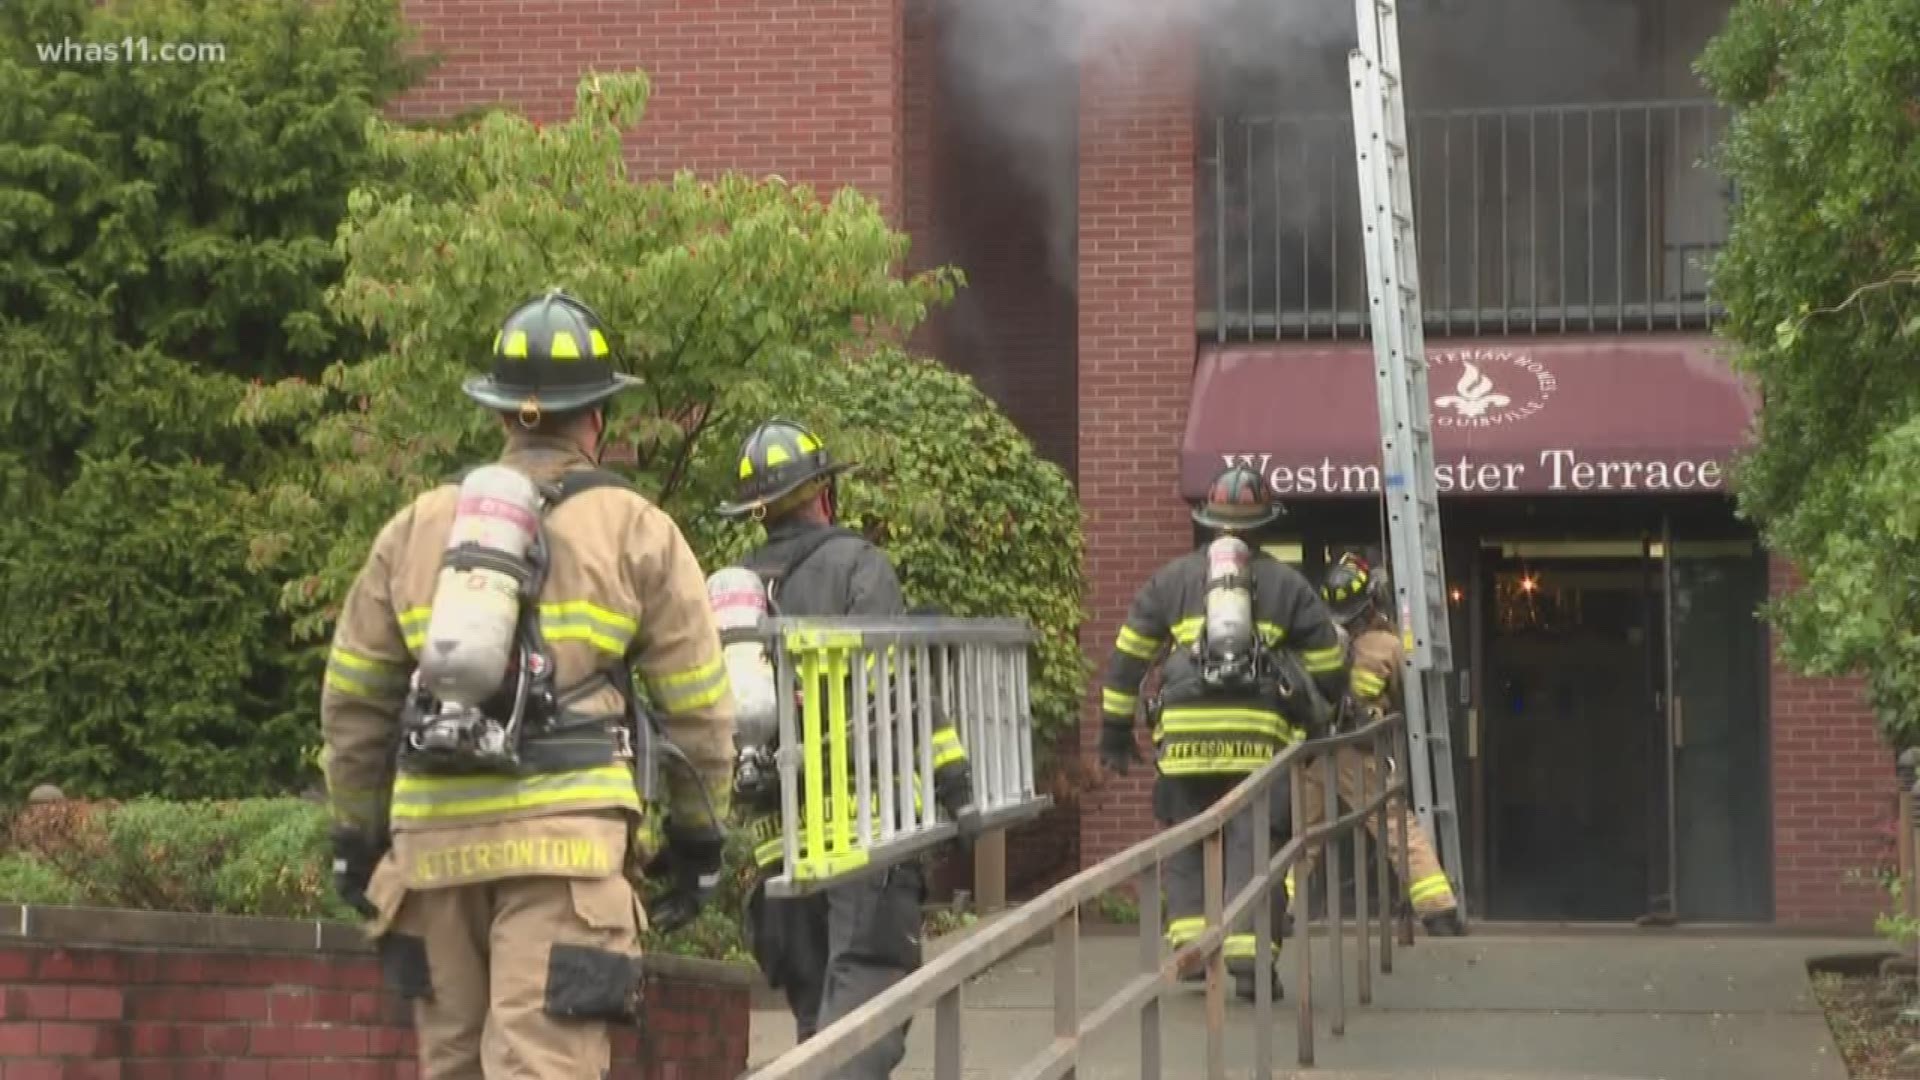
(1493, 386)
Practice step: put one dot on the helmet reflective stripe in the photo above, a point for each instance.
(551, 353)
(778, 458)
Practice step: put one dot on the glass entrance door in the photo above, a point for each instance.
(1719, 830)
(1571, 647)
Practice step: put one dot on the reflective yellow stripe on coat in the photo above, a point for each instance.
(439, 800)
(606, 630)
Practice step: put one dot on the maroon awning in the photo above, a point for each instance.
(1660, 414)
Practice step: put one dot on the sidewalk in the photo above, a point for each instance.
(1655, 1005)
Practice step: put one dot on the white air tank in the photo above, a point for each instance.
(1229, 598)
(470, 635)
(739, 601)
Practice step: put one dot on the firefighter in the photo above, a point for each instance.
(832, 951)
(1207, 739)
(1355, 594)
(501, 901)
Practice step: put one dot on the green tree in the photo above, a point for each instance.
(164, 239)
(978, 523)
(732, 299)
(1818, 280)
(718, 292)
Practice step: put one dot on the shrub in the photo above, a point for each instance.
(263, 857)
(977, 523)
(267, 857)
(165, 237)
(713, 292)
(143, 655)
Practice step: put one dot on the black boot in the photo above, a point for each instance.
(1445, 924)
(1244, 986)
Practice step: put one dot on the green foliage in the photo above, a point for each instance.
(1818, 279)
(142, 655)
(1117, 907)
(977, 523)
(266, 857)
(720, 295)
(164, 238)
(29, 879)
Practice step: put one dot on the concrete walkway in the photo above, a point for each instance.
(1654, 1005)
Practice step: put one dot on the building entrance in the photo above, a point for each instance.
(1571, 704)
(1620, 766)
(1610, 706)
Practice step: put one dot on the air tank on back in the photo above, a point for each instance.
(476, 601)
(1229, 611)
(739, 601)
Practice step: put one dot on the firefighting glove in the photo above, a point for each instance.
(953, 790)
(1118, 750)
(355, 854)
(695, 858)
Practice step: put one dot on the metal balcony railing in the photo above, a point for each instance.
(1533, 219)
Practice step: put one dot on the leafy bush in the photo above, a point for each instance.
(1819, 278)
(978, 524)
(715, 293)
(264, 857)
(29, 879)
(165, 237)
(733, 300)
(143, 655)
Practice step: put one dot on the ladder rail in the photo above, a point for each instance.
(1408, 488)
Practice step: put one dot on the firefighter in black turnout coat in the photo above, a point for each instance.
(835, 950)
(1210, 732)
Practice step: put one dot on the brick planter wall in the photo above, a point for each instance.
(126, 995)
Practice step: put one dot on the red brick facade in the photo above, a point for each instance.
(1833, 794)
(808, 89)
(1136, 359)
(1096, 371)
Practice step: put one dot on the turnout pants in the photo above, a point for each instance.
(834, 951)
(1179, 798)
(513, 978)
(1427, 885)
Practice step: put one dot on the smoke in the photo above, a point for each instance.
(1010, 72)
(1010, 69)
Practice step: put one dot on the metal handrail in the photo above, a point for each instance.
(938, 984)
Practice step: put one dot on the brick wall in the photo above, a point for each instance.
(1012, 327)
(808, 89)
(1833, 793)
(122, 1011)
(1136, 331)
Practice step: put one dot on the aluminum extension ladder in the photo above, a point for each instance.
(861, 700)
(1406, 431)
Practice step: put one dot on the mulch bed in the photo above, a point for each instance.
(1864, 1013)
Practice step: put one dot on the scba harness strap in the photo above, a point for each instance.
(551, 735)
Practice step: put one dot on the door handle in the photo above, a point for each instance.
(1473, 734)
(1679, 722)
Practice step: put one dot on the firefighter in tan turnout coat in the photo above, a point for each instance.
(1353, 593)
(498, 877)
